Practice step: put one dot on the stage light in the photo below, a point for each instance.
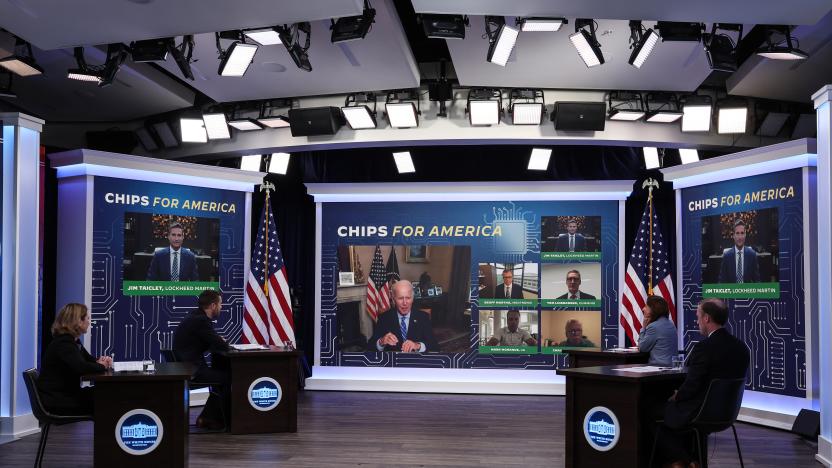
(79, 74)
(501, 39)
(625, 105)
(182, 54)
(720, 49)
(696, 114)
(539, 159)
(351, 28)
(732, 116)
(672, 31)
(192, 130)
(484, 106)
(404, 163)
(539, 24)
(165, 134)
(216, 126)
(443, 26)
(21, 64)
(264, 36)
(586, 44)
(665, 108)
(642, 42)
(245, 125)
(251, 162)
(278, 121)
(151, 50)
(146, 139)
(651, 157)
(688, 155)
(527, 106)
(101, 74)
(777, 50)
(290, 36)
(235, 60)
(402, 108)
(359, 116)
(279, 163)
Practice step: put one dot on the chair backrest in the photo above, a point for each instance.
(30, 378)
(168, 355)
(722, 404)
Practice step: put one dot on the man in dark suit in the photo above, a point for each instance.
(571, 241)
(195, 336)
(739, 263)
(508, 290)
(401, 328)
(573, 285)
(173, 263)
(719, 356)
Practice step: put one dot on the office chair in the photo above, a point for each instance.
(170, 356)
(718, 412)
(44, 417)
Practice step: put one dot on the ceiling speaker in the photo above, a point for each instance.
(315, 121)
(580, 116)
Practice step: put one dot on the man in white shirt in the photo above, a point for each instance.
(512, 335)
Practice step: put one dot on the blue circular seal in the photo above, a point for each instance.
(264, 394)
(601, 428)
(139, 431)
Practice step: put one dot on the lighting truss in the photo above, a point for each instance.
(351, 28)
(642, 42)
(235, 60)
(402, 108)
(21, 64)
(485, 106)
(586, 43)
(527, 106)
(782, 49)
(358, 114)
(501, 39)
(720, 48)
(625, 105)
(665, 108)
(540, 24)
(696, 113)
(291, 38)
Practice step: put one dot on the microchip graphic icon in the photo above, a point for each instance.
(512, 238)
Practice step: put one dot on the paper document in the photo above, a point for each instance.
(642, 369)
(623, 350)
(246, 347)
(128, 366)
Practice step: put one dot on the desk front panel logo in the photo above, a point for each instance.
(139, 431)
(264, 394)
(601, 428)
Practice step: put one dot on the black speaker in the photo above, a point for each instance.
(115, 141)
(580, 116)
(315, 121)
(807, 424)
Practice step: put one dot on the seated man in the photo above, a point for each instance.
(719, 356)
(512, 335)
(404, 330)
(573, 287)
(575, 335)
(571, 241)
(192, 339)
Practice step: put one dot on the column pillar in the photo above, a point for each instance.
(19, 257)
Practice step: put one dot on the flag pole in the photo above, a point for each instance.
(266, 187)
(650, 184)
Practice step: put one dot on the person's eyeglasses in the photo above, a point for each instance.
(575, 332)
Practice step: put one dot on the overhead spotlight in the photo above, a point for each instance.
(696, 113)
(539, 24)
(21, 64)
(720, 48)
(665, 108)
(651, 157)
(151, 50)
(183, 54)
(192, 129)
(501, 39)
(165, 133)
(485, 105)
(527, 106)
(404, 163)
(235, 60)
(269, 118)
(251, 162)
(359, 116)
(279, 163)
(264, 36)
(642, 42)
(624, 105)
(732, 115)
(688, 155)
(443, 26)
(245, 125)
(290, 36)
(351, 28)
(672, 31)
(586, 43)
(403, 108)
(539, 159)
(104, 74)
(779, 46)
(146, 139)
(216, 126)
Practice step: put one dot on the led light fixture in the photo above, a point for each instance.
(484, 106)
(146, 139)
(251, 162)
(359, 116)
(402, 108)
(781, 49)
(625, 105)
(720, 48)
(279, 163)
(539, 24)
(651, 157)
(104, 74)
(216, 126)
(351, 28)
(696, 114)
(732, 116)
(443, 26)
(21, 64)
(278, 121)
(527, 106)
(165, 134)
(151, 50)
(235, 60)
(501, 39)
(772, 123)
(585, 42)
(268, 118)
(539, 159)
(192, 130)
(264, 36)
(404, 162)
(245, 125)
(290, 36)
(662, 108)
(688, 155)
(642, 42)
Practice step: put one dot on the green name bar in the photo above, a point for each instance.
(558, 349)
(167, 288)
(742, 290)
(508, 349)
(570, 256)
(594, 303)
(507, 303)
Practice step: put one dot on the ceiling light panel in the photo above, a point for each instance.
(484, 112)
(527, 113)
(402, 115)
(696, 118)
(404, 162)
(539, 159)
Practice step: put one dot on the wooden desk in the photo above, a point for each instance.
(630, 397)
(125, 402)
(264, 367)
(591, 357)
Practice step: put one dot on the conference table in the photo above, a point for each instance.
(610, 413)
(591, 357)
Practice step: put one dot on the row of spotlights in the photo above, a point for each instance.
(652, 159)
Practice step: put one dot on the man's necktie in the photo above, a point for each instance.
(739, 267)
(574, 296)
(571, 242)
(174, 268)
(508, 291)
(403, 326)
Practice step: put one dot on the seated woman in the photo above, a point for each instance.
(658, 336)
(65, 361)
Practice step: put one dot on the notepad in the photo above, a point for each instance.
(128, 366)
(247, 347)
(642, 369)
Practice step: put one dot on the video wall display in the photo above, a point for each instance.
(742, 241)
(156, 246)
(467, 284)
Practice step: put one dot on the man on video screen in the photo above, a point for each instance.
(739, 263)
(173, 263)
(402, 328)
(571, 241)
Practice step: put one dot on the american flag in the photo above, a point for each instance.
(637, 287)
(268, 312)
(378, 290)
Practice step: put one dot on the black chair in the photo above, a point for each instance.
(44, 417)
(718, 412)
(170, 356)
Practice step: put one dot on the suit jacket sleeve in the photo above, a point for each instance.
(724, 269)
(647, 339)
(194, 273)
(697, 378)
(426, 333)
(381, 328)
(79, 361)
(208, 335)
(153, 270)
(754, 266)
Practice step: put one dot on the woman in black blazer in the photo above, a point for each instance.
(65, 361)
